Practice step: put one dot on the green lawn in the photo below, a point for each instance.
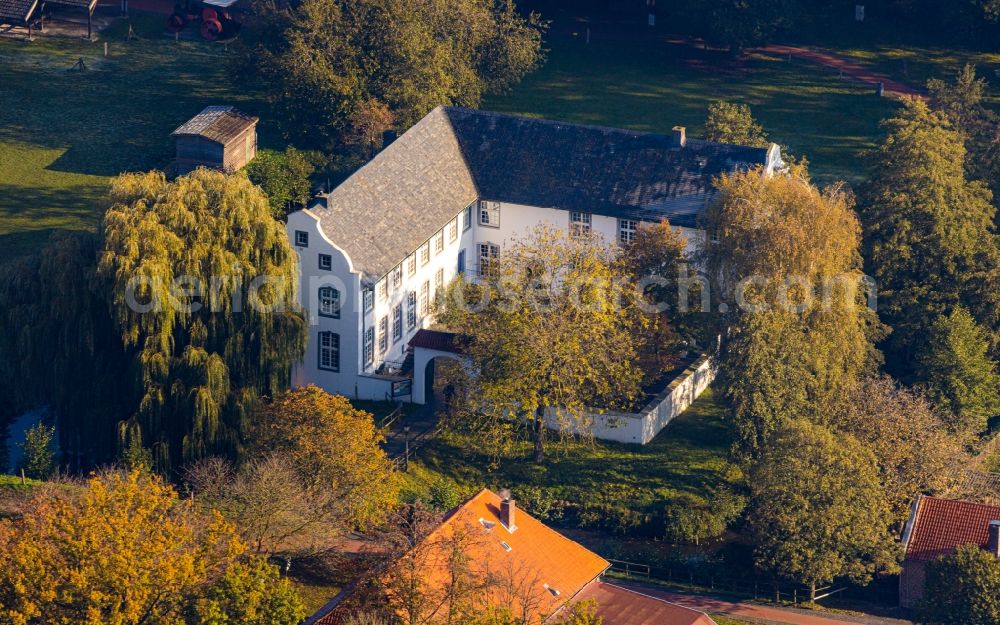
(611, 481)
(64, 133)
(654, 87)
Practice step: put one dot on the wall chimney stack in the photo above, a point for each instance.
(993, 545)
(680, 136)
(508, 511)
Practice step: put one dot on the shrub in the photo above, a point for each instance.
(691, 519)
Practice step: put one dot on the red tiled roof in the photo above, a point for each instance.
(437, 340)
(620, 606)
(938, 526)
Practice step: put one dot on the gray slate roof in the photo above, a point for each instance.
(16, 11)
(220, 124)
(454, 156)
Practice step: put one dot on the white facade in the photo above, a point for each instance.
(356, 347)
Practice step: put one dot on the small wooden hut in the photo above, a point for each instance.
(219, 137)
(18, 13)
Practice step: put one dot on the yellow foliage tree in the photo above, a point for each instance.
(123, 550)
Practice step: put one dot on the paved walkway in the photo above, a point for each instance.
(758, 613)
(844, 66)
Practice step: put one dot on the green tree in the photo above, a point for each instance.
(817, 510)
(785, 266)
(694, 519)
(251, 592)
(962, 589)
(734, 123)
(958, 373)
(202, 283)
(547, 335)
(962, 101)
(323, 59)
(930, 240)
(38, 457)
(284, 178)
(744, 23)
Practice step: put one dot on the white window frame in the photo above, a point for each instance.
(411, 309)
(453, 230)
(328, 302)
(467, 216)
(627, 229)
(383, 334)
(580, 223)
(425, 253)
(301, 238)
(488, 253)
(397, 322)
(368, 296)
(325, 262)
(383, 288)
(439, 243)
(329, 350)
(424, 306)
(489, 214)
(411, 264)
(369, 345)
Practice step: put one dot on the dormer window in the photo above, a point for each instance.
(489, 214)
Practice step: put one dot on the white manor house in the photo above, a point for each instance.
(444, 198)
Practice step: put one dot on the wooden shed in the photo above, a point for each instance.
(219, 137)
(18, 13)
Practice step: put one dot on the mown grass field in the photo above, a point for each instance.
(688, 458)
(65, 133)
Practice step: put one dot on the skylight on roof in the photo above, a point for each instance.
(487, 524)
(505, 546)
(553, 591)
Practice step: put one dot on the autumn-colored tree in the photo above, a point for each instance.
(580, 613)
(817, 509)
(962, 589)
(655, 262)
(367, 124)
(734, 123)
(332, 446)
(929, 233)
(915, 451)
(785, 267)
(275, 512)
(250, 592)
(202, 285)
(323, 58)
(959, 375)
(122, 549)
(548, 335)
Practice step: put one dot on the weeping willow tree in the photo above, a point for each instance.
(202, 284)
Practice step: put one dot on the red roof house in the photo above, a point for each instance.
(549, 570)
(936, 528)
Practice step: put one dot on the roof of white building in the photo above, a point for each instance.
(454, 156)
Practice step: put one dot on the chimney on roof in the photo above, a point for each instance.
(993, 544)
(680, 136)
(508, 511)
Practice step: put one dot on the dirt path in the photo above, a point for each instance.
(842, 65)
(759, 613)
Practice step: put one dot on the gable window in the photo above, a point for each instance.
(383, 335)
(425, 297)
(301, 238)
(411, 265)
(411, 309)
(325, 262)
(467, 218)
(329, 302)
(397, 322)
(369, 298)
(626, 230)
(369, 345)
(488, 255)
(453, 230)
(329, 351)
(425, 253)
(579, 224)
(439, 243)
(489, 213)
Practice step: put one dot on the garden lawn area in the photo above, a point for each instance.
(614, 483)
(65, 133)
(654, 86)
